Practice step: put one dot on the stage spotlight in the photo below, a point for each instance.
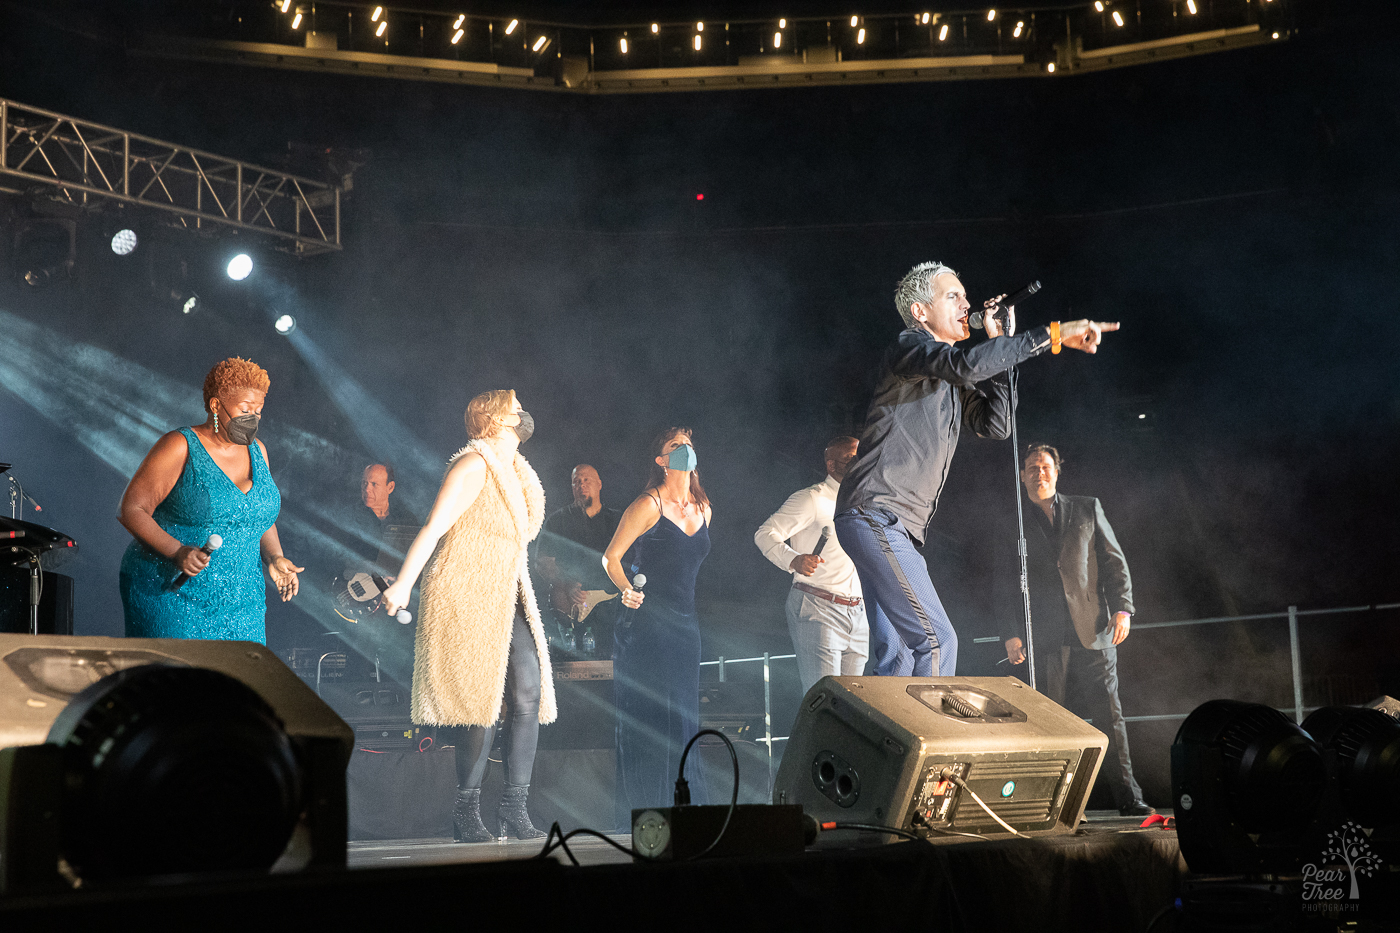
(777, 40)
(655, 28)
(1191, 7)
(286, 5)
(240, 266)
(511, 28)
(697, 43)
(1098, 5)
(457, 23)
(1246, 784)
(991, 15)
(943, 33)
(1050, 68)
(540, 43)
(382, 27)
(191, 303)
(457, 36)
(699, 27)
(782, 24)
(124, 242)
(1016, 33)
(285, 324)
(378, 12)
(624, 45)
(187, 758)
(924, 19)
(1117, 18)
(296, 20)
(860, 37)
(1366, 773)
(855, 20)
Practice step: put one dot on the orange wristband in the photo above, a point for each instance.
(1054, 336)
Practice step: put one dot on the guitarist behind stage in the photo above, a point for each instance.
(373, 521)
(582, 602)
(378, 530)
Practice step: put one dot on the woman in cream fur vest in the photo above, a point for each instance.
(479, 630)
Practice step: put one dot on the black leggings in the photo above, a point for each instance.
(523, 733)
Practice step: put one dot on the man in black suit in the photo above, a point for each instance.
(1082, 609)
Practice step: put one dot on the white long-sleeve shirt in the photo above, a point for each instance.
(794, 529)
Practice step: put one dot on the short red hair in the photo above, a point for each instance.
(232, 374)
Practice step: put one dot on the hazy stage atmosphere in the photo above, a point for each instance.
(726, 261)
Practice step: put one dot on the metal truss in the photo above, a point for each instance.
(81, 163)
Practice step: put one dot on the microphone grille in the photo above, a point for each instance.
(639, 581)
(215, 542)
(404, 616)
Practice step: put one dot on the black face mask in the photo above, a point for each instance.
(243, 429)
(526, 428)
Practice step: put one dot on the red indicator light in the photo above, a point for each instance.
(699, 197)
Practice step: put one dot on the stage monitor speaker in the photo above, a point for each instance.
(886, 750)
(128, 758)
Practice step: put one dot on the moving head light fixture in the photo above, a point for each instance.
(1254, 793)
(137, 759)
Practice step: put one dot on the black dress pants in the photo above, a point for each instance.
(1085, 682)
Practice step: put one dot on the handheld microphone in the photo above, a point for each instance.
(821, 542)
(213, 544)
(404, 616)
(639, 581)
(999, 309)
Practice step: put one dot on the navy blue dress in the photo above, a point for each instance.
(656, 672)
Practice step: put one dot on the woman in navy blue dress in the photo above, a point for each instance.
(656, 645)
(210, 479)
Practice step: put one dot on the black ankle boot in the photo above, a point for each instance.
(512, 814)
(466, 818)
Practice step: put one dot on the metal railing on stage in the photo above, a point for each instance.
(1292, 614)
(767, 660)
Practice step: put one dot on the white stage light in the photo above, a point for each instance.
(511, 28)
(1117, 18)
(624, 45)
(191, 303)
(240, 266)
(285, 324)
(943, 33)
(124, 242)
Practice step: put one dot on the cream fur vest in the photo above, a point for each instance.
(469, 597)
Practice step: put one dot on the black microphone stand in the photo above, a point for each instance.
(1021, 534)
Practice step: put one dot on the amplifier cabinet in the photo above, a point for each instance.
(906, 751)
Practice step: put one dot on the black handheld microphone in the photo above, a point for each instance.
(821, 542)
(213, 544)
(999, 309)
(639, 581)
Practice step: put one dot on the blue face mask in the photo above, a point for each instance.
(682, 458)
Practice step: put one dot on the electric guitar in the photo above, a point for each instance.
(591, 599)
(358, 595)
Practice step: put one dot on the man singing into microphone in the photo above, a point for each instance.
(927, 389)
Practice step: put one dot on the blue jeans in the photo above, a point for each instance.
(910, 634)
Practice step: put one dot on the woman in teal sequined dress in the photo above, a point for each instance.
(211, 479)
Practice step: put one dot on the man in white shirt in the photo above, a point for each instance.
(825, 612)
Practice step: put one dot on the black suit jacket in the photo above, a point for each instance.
(1089, 568)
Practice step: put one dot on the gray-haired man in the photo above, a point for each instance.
(927, 390)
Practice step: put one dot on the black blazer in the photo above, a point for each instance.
(1092, 571)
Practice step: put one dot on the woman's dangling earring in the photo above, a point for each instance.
(216, 421)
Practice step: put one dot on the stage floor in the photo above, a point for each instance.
(592, 851)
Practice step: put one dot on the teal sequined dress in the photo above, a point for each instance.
(227, 599)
